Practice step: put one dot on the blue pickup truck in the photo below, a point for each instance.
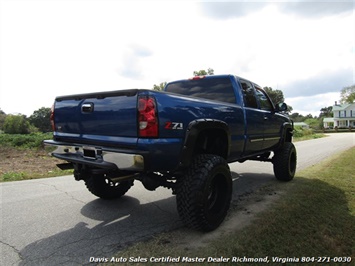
(181, 138)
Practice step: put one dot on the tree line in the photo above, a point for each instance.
(39, 121)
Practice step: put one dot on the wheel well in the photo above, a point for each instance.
(205, 136)
(212, 141)
(289, 134)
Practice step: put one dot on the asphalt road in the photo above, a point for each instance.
(57, 221)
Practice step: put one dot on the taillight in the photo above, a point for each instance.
(52, 118)
(147, 117)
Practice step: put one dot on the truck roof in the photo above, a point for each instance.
(215, 76)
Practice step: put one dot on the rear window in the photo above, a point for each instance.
(217, 89)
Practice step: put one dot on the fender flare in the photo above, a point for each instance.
(193, 131)
(287, 126)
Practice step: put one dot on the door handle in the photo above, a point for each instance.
(87, 108)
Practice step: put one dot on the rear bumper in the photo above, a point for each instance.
(101, 157)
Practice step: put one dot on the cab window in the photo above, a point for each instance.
(248, 94)
(264, 101)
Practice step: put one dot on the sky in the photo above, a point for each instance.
(59, 47)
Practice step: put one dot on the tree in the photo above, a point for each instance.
(326, 112)
(203, 72)
(314, 123)
(277, 97)
(159, 87)
(41, 119)
(2, 119)
(347, 94)
(297, 117)
(16, 124)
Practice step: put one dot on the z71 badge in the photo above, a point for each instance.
(174, 125)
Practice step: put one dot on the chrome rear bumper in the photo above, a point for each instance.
(96, 156)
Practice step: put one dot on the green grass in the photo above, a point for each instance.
(25, 175)
(13, 176)
(314, 217)
(308, 137)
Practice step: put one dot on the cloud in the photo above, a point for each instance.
(324, 82)
(312, 104)
(316, 9)
(131, 62)
(313, 9)
(228, 10)
(140, 50)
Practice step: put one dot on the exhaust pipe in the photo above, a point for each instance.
(124, 177)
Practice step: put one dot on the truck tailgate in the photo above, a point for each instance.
(104, 115)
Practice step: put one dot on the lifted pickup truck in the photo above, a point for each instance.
(181, 138)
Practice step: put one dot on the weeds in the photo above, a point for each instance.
(24, 141)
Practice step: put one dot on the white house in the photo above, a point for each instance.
(343, 116)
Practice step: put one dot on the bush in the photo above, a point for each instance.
(301, 132)
(41, 119)
(33, 140)
(16, 124)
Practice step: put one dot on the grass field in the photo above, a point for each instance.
(313, 221)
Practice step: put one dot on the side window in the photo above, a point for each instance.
(248, 94)
(264, 101)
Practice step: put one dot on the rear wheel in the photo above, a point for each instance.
(204, 193)
(105, 188)
(285, 161)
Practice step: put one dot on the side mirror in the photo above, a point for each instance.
(281, 107)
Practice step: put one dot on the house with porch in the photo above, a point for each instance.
(343, 116)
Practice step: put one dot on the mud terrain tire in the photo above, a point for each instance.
(285, 161)
(204, 193)
(104, 188)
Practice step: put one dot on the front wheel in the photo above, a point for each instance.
(204, 193)
(105, 188)
(285, 161)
